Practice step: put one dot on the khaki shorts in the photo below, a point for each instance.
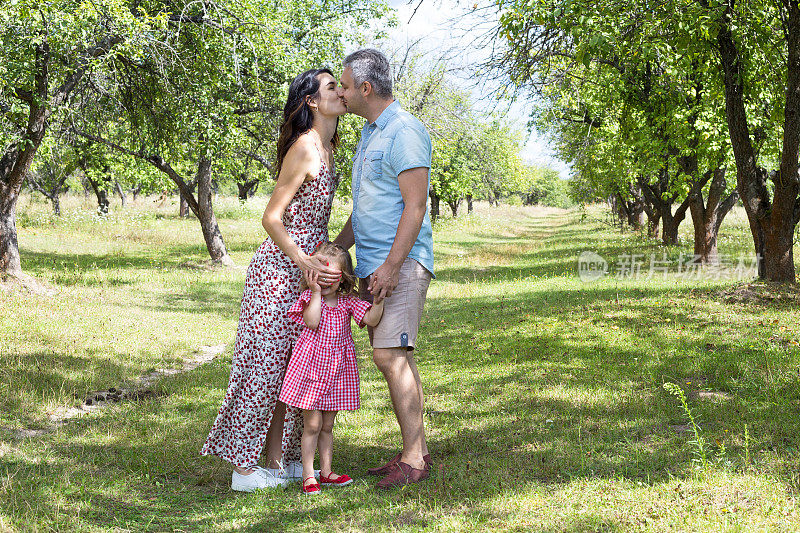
(402, 311)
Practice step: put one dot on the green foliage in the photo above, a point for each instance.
(188, 80)
(544, 186)
(699, 443)
(473, 154)
(628, 91)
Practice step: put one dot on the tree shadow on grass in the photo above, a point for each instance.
(558, 258)
(213, 299)
(171, 256)
(565, 409)
(633, 371)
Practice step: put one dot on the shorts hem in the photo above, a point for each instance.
(390, 343)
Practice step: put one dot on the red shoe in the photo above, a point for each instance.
(340, 481)
(388, 467)
(404, 474)
(312, 489)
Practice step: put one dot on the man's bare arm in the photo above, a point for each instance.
(346, 239)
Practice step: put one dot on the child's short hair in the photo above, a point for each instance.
(348, 283)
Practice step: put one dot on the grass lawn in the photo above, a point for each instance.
(546, 408)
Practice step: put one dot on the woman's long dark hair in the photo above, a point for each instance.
(297, 116)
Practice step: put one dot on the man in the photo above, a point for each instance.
(392, 233)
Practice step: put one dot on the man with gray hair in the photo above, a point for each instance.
(392, 233)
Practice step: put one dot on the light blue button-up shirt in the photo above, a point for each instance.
(395, 142)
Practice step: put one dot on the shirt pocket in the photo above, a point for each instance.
(373, 164)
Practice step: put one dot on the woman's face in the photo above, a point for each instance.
(328, 102)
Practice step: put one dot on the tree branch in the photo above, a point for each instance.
(82, 64)
(155, 160)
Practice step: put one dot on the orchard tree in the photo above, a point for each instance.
(194, 107)
(612, 82)
(758, 49)
(52, 171)
(745, 54)
(46, 51)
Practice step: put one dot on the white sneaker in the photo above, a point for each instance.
(294, 470)
(258, 479)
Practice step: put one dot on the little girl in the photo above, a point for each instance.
(322, 376)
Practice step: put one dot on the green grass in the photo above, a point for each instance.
(545, 402)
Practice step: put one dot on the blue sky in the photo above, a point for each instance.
(447, 24)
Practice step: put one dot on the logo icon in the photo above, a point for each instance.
(591, 266)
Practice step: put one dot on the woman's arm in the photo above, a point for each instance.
(300, 164)
(375, 313)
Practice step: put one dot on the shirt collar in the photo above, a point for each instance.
(387, 114)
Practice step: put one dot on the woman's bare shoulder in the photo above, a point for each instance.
(304, 148)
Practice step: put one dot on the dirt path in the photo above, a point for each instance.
(140, 389)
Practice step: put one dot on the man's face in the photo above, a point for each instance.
(349, 93)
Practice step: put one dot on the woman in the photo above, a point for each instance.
(296, 219)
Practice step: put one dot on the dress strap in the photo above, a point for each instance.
(322, 156)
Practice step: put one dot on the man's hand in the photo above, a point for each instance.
(383, 281)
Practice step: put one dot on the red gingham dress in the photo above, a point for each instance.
(322, 373)
(266, 334)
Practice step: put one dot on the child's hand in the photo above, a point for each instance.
(377, 300)
(312, 280)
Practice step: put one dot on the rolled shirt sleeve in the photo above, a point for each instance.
(411, 149)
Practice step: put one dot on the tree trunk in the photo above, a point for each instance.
(653, 225)
(772, 220)
(247, 189)
(16, 162)
(649, 210)
(202, 207)
(631, 212)
(636, 216)
(434, 205)
(707, 218)
(778, 255)
(56, 205)
(135, 190)
(52, 195)
(469, 203)
(655, 194)
(705, 233)
(17, 159)
(454, 206)
(669, 228)
(619, 212)
(9, 248)
(102, 196)
(496, 198)
(183, 206)
(205, 214)
(121, 193)
(183, 200)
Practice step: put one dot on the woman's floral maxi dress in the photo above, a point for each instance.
(266, 334)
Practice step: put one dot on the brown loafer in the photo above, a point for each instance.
(385, 469)
(403, 474)
(388, 467)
